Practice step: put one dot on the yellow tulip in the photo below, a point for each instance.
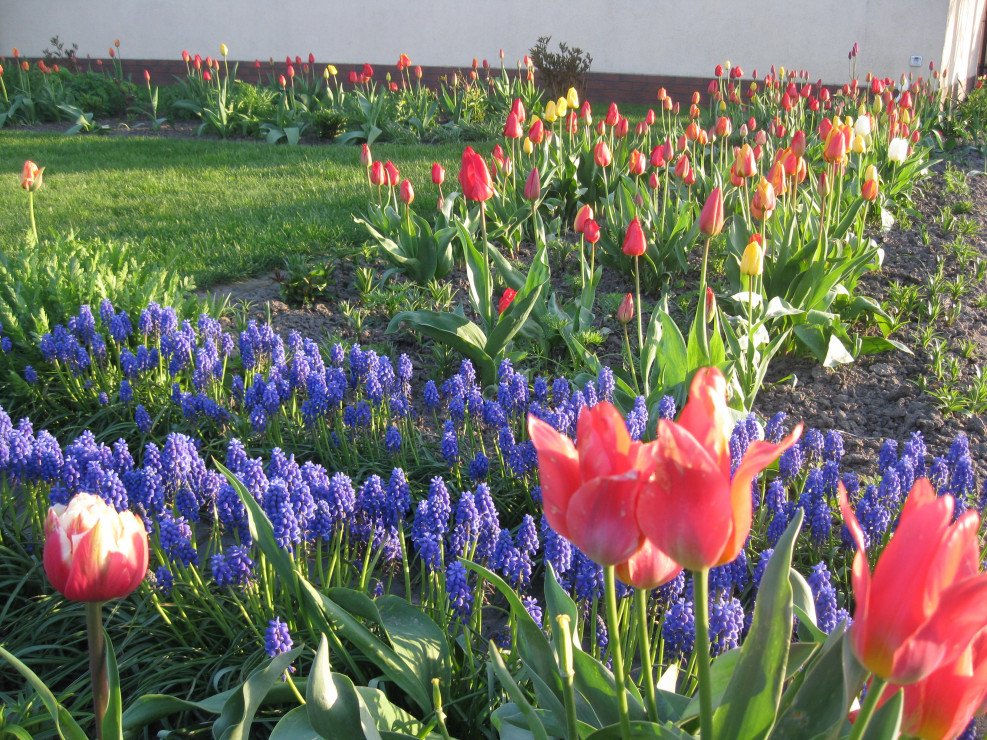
(223, 50)
(752, 263)
(528, 146)
(871, 173)
(549, 113)
(572, 98)
(858, 145)
(877, 106)
(332, 70)
(561, 107)
(723, 104)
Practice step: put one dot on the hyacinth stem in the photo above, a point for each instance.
(613, 630)
(97, 663)
(877, 685)
(700, 585)
(647, 669)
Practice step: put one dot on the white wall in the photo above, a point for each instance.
(686, 38)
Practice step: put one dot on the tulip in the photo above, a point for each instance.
(693, 509)
(745, 162)
(550, 113)
(724, 127)
(368, 71)
(682, 166)
(752, 263)
(591, 231)
(835, 150)
(766, 195)
(223, 49)
(512, 129)
(590, 491)
(613, 115)
(711, 218)
(92, 553)
(407, 192)
(536, 132)
(532, 186)
(602, 155)
(941, 705)
(438, 174)
(658, 156)
(31, 176)
(636, 163)
(583, 215)
(474, 177)
(635, 243)
(625, 312)
(505, 300)
(518, 110)
(898, 150)
(207, 76)
(926, 598)
(377, 174)
(393, 174)
(561, 107)
(869, 190)
(365, 158)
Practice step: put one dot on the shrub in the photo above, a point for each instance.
(560, 70)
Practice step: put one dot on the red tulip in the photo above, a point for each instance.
(407, 192)
(586, 112)
(365, 158)
(711, 219)
(613, 115)
(377, 175)
(512, 129)
(693, 509)
(518, 110)
(368, 71)
(438, 174)
(393, 174)
(682, 166)
(745, 163)
(625, 312)
(505, 300)
(583, 215)
(636, 163)
(941, 705)
(207, 76)
(147, 75)
(474, 177)
(282, 81)
(590, 492)
(532, 187)
(620, 130)
(536, 133)
(92, 552)
(926, 599)
(869, 190)
(635, 243)
(591, 231)
(602, 155)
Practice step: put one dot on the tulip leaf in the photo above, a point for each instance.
(238, 712)
(294, 726)
(641, 731)
(334, 707)
(820, 703)
(750, 703)
(455, 331)
(66, 727)
(886, 721)
(557, 601)
(597, 685)
(112, 720)
(533, 723)
(416, 639)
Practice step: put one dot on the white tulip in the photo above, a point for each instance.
(898, 150)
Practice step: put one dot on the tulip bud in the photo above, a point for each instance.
(365, 159)
(613, 115)
(505, 300)
(438, 174)
(223, 49)
(550, 114)
(31, 176)
(824, 185)
(635, 243)
(591, 231)
(572, 98)
(869, 190)
(393, 174)
(536, 133)
(636, 163)
(528, 147)
(561, 107)
(621, 129)
(147, 75)
(625, 313)
(586, 113)
(710, 304)
(532, 187)
(584, 214)
(752, 263)
(711, 218)
(407, 192)
(602, 155)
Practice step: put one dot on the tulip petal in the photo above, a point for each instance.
(707, 416)
(558, 472)
(601, 518)
(759, 455)
(648, 568)
(685, 509)
(603, 441)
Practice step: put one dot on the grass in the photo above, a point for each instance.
(216, 210)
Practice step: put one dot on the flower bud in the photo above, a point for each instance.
(625, 313)
(407, 192)
(532, 187)
(438, 174)
(711, 218)
(752, 263)
(635, 243)
(505, 300)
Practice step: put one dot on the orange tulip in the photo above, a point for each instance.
(745, 162)
(31, 176)
(926, 599)
(590, 492)
(648, 568)
(869, 190)
(693, 509)
(636, 163)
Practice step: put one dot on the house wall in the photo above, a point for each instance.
(643, 37)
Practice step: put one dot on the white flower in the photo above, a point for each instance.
(898, 150)
(862, 126)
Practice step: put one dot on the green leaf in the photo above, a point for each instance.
(557, 601)
(805, 606)
(66, 727)
(386, 716)
(454, 330)
(596, 684)
(334, 707)
(534, 724)
(112, 723)
(294, 726)
(821, 702)
(642, 731)
(720, 673)
(416, 639)
(750, 702)
(479, 278)
(886, 721)
(238, 712)
(673, 351)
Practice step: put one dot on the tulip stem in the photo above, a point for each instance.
(647, 669)
(613, 629)
(877, 685)
(700, 585)
(30, 208)
(97, 663)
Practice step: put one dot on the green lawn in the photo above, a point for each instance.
(220, 209)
